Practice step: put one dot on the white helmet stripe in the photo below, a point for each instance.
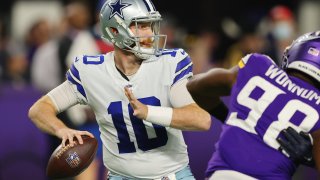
(306, 68)
(148, 5)
(153, 8)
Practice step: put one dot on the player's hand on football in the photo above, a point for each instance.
(69, 134)
(297, 145)
(139, 110)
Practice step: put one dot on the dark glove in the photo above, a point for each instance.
(297, 145)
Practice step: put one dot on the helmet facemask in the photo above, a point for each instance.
(145, 46)
(285, 62)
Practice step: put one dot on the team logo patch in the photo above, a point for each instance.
(313, 51)
(73, 160)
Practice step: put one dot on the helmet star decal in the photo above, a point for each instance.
(117, 8)
(119, 15)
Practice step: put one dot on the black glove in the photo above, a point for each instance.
(297, 145)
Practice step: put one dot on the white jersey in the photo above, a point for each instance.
(133, 147)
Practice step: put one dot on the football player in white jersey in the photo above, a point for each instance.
(138, 93)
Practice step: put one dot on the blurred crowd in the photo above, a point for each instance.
(27, 54)
(41, 42)
(36, 49)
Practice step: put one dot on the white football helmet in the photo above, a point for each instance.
(120, 14)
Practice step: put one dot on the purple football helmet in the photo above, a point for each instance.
(304, 55)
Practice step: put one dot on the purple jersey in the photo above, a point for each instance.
(264, 101)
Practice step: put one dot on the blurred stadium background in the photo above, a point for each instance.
(38, 39)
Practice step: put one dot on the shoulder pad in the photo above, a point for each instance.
(252, 58)
(174, 53)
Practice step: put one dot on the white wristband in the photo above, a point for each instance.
(159, 115)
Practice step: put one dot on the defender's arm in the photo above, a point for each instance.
(207, 88)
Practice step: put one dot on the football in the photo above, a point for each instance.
(70, 161)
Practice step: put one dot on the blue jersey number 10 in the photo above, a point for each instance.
(140, 131)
